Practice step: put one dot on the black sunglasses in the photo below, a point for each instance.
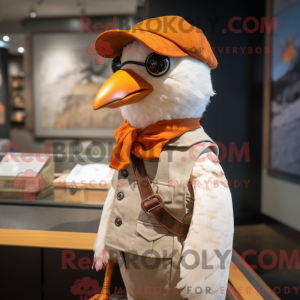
(156, 65)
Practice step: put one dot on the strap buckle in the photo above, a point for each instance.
(158, 205)
(151, 203)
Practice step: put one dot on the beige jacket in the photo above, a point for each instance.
(129, 228)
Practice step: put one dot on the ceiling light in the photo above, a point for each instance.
(21, 49)
(33, 14)
(6, 38)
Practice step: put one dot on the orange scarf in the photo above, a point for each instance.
(147, 143)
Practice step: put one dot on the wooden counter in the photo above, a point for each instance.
(75, 227)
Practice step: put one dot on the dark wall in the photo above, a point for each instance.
(29, 273)
(4, 94)
(21, 273)
(235, 113)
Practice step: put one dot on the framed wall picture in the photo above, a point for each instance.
(282, 92)
(67, 74)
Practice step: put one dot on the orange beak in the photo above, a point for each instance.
(122, 88)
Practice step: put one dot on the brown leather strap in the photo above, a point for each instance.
(153, 204)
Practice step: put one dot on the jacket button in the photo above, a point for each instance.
(124, 173)
(118, 222)
(120, 195)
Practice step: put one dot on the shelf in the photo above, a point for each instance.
(50, 202)
(48, 217)
(47, 239)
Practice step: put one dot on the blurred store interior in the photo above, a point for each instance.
(49, 75)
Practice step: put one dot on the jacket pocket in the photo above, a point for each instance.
(167, 194)
(151, 240)
(165, 190)
(150, 232)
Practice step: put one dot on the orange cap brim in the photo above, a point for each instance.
(118, 39)
(177, 40)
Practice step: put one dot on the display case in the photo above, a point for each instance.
(72, 180)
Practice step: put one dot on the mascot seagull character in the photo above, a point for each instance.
(168, 215)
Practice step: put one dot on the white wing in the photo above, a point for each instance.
(101, 256)
(211, 230)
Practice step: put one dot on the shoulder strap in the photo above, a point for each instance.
(153, 204)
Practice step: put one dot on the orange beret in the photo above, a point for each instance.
(169, 35)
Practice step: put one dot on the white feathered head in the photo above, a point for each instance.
(154, 84)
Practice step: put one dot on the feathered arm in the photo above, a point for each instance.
(101, 256)
(210, 233)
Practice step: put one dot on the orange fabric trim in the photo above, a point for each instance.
(147, 143)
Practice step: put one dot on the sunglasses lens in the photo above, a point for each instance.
(116, 64)
(157, 65)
